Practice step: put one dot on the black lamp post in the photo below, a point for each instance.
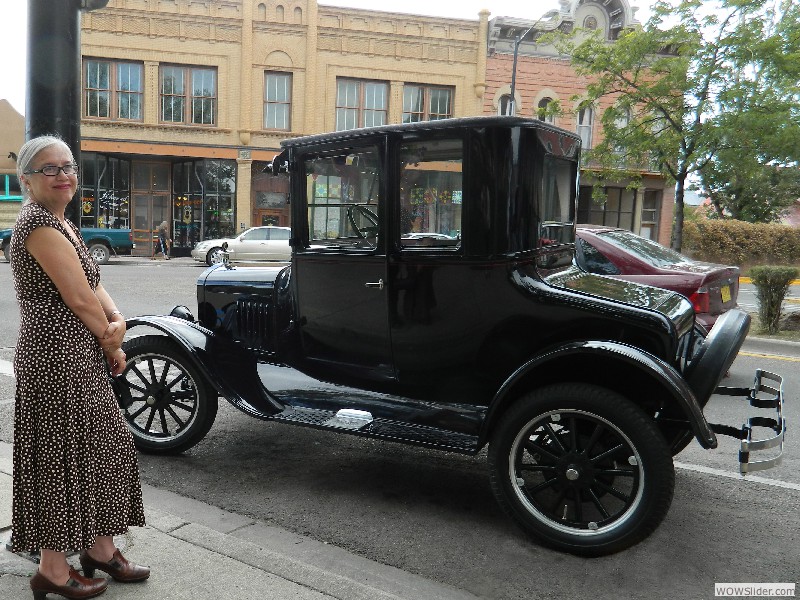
(512, 104)
(53, 103)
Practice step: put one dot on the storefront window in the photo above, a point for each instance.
(220, 190)
(105, 191)
(203, 201)
(187, 204)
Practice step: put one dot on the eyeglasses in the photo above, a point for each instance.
(52, 170)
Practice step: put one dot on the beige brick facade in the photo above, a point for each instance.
(241, 40)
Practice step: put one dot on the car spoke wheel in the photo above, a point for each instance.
(581, 468)
(215, 256)
(167, 405)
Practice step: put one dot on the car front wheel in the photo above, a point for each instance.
(214, 256)
(581, 468)
(167, 404)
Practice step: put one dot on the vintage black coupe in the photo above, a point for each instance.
(432, 272)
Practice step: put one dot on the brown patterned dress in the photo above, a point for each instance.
(75, 470)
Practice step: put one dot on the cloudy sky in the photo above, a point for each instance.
(13, 42)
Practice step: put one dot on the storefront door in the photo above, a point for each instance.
(150, 204)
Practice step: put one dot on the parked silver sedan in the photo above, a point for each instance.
(268, 243)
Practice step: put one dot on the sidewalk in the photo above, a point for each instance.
(198, 551)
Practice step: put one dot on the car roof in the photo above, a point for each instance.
(441, 124)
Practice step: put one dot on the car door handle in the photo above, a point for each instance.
(375, 284)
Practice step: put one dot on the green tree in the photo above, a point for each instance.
(688, 83)
(744, 188)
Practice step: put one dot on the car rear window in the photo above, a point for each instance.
(648, 250)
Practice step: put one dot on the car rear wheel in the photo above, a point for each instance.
(167, 404)
(100, 253)
(581, 468)
(214, 256)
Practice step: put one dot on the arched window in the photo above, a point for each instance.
(585, 125)
(590, 22)
(504, 105)
(262, 12)
(542, 111)
(279, 14)
(298, 15)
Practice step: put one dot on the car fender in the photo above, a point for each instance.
(228, 366)
(659, 372)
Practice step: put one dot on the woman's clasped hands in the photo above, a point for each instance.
(111, 343)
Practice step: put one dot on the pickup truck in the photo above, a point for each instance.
(432, 294)
(102, 242)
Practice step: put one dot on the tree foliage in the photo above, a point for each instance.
(701, 85)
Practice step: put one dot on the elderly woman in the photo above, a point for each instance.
(76, 479)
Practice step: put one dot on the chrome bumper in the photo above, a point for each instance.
(761, 396)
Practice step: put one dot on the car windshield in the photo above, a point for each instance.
(647, 250)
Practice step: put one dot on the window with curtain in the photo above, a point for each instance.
(542, 111)
(585, 125)
(113, 89)
(188, 95)
(277, 101)
(426, 103)
(361, 103)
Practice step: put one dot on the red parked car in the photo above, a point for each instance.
(711, 288)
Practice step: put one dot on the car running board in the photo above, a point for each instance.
(361, 423)
(762, 396)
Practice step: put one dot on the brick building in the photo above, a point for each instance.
(186, 101)
(542, 76)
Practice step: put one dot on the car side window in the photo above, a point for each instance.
(343, 192)
(255, 235)
(431, 193)
(592, 260)
(279, 234)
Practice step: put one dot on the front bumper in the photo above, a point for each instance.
(762, 396)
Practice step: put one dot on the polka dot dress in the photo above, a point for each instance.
(75, 470)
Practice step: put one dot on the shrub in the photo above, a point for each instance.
(740, 243)
(771, 283)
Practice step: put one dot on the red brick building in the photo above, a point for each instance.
(543, 76)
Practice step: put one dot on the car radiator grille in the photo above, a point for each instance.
(253, 322)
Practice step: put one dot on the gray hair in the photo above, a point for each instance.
(30, 150)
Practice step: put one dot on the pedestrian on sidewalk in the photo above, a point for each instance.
(76, 478)
(164, 241)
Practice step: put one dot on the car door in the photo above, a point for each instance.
(339, 266)
(277, 247)
(251, 245)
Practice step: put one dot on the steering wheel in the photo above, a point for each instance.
(364, 214)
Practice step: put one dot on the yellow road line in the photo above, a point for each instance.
(773, 356)
(744, 279)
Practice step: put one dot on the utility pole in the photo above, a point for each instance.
(512, 104)
(53, 104)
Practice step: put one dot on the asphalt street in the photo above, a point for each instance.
(432, 515)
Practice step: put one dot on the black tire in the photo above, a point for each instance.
(168, 405)
(7, 252)
(100, 253)
(214, 256)
(581, 468)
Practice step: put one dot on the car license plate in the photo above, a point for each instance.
(725, 291)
